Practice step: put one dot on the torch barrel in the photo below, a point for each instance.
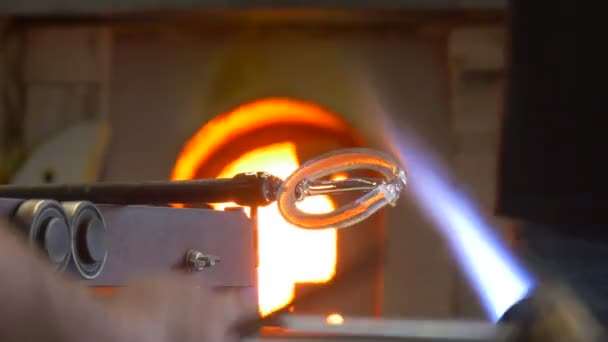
(250, 189)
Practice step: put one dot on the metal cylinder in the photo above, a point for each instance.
(47, 227)
(89, 241)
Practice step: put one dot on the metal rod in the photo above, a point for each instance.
(410, 330)
(250, 189)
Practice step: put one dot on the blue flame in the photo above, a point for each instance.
(494, 272)
(496, 275)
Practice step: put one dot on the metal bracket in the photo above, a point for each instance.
(197, 261)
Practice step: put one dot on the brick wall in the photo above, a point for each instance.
(12, 98)
(476, 64)
(66, 78)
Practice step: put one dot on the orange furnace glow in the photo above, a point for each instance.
(287, 254)
(245, 119)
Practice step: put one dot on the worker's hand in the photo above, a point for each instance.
(175, 309)
(38, 304)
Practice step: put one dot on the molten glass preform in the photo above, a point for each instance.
(306, 181)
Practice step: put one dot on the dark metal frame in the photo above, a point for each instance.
(62, 7)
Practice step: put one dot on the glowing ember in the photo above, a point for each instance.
(334, 319)
(287, 254)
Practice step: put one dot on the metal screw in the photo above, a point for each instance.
(197, 261)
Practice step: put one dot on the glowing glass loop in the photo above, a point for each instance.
(307, 181)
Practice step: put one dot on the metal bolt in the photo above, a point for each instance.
(197, 261)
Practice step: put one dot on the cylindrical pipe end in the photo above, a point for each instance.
(89, 241)
(47, 227)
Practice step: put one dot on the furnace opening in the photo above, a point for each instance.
(274, 135)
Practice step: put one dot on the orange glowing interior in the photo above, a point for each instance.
(287, 255)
